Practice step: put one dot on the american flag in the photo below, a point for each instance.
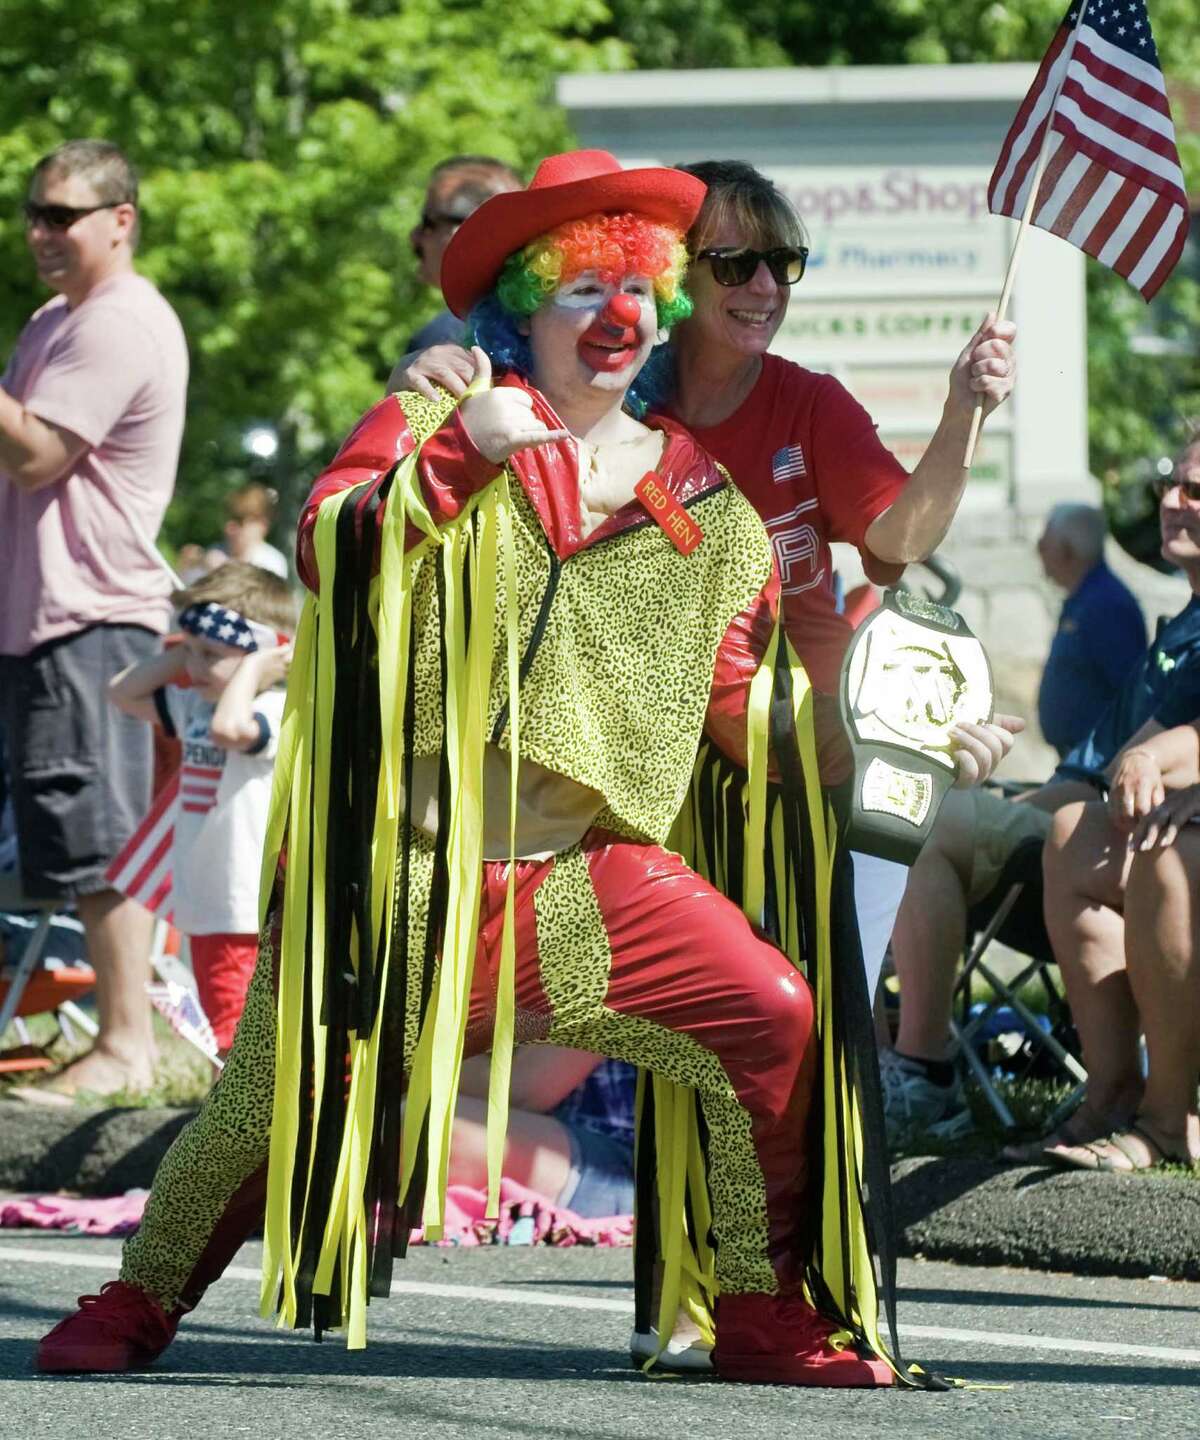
(141, 869)
(787, 464)
(180, 1007)
(1112, 184)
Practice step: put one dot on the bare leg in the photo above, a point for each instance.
(118, 934)
(931, 926)
(1164, 973)
(1085, 864)
(537, 1151)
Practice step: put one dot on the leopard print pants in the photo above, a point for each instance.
(622, 950)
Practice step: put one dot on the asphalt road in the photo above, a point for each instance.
(530, 1343)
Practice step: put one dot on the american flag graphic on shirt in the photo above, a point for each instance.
(788, 464)
(203, 764)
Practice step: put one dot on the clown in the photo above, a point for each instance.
(532, 611)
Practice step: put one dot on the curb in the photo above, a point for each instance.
(971, 1211)
(979, 1212)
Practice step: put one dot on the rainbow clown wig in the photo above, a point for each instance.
(613, 246)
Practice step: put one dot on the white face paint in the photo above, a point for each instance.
(577, 342)
(588, 292)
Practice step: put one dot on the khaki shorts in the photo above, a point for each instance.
(1000, 826)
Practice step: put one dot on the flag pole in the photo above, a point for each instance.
(1014, 258)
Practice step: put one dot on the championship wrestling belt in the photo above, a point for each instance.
(912, 672)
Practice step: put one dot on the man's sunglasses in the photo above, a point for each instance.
(1189, 489)
(433, 220)
(62, 217)
(737, 267)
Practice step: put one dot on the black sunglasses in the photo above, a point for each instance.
(62, 217)
(431, 220)
(1189, 489)
(736, 267)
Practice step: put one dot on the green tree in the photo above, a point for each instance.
(283, 149)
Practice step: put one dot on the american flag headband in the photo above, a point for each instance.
(211, 621)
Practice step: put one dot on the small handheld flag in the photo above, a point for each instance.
(141, 869)
(1091, 156)
(1110, 180)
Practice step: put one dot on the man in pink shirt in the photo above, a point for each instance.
(91, 418)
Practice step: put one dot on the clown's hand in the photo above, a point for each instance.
(978, 749)
(449, 366)
(501, 422)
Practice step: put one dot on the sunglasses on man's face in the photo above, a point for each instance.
(1188, 487)
(737, 267)
(435, 219)
(61, 217)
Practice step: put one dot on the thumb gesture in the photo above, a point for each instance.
(482, 378)
(501, 422)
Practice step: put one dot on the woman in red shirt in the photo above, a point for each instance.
(796, 442)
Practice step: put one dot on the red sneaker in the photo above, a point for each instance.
(122, 1328)
(770, 1340)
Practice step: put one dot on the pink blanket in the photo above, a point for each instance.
(526, 1218)
(119, 1215)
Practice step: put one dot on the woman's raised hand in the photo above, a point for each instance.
(987, 369)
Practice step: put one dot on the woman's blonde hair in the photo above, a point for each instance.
(741, 197)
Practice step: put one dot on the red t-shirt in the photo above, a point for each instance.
(806, 455)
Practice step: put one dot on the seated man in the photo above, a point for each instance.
(978, 830)
(1101, 634)
(1120, 881)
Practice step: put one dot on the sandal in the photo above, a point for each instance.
(1098, 1154)
(1077, 1129)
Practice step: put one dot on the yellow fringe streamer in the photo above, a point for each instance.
(475, 543)
(688, 1280)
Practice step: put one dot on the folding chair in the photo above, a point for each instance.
(29, 989)
(1012, 914)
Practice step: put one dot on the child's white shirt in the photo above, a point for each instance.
(221, 822)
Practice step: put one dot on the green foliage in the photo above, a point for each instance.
(284, 149)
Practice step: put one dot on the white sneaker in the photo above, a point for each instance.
(914, 1105)
(684, 1357)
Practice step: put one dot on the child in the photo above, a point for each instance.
(236, 649)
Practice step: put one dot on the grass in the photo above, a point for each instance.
(1032, 1103)
(183, 1075)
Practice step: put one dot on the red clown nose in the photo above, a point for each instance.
(622, 311)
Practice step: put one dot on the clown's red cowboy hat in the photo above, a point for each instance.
(566, 187)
